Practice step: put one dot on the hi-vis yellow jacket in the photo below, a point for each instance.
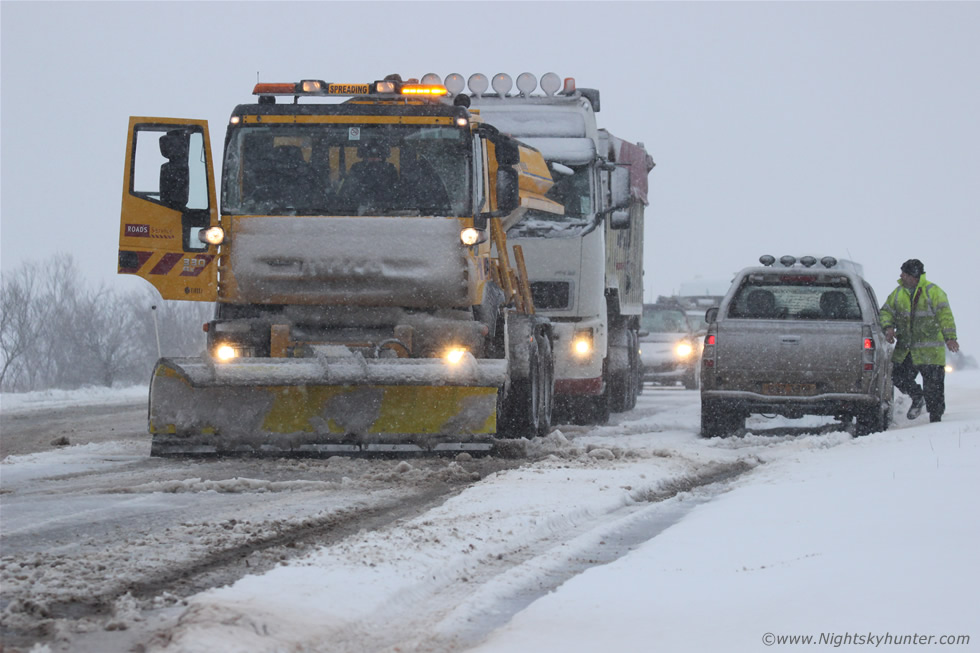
(923, 322)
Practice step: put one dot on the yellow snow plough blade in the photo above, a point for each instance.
(323, 405)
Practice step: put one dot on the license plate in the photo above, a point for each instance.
(789, 389)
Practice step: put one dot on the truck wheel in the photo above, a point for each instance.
(598, 408)
(522, 408)
(622, 363)
(636, 381)
(546, 386)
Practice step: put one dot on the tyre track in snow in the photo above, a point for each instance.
(455, 616)
(51, 583)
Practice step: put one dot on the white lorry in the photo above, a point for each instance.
(585, 265)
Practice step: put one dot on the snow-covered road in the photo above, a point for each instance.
(611, 537)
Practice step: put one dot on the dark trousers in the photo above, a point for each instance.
(933, 384)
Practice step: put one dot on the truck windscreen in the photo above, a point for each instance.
(344, 169)
(573, 190)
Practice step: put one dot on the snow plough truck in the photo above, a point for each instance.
(365, 296)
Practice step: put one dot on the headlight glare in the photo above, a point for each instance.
(471, 236)
(582, 343)
(225, 353)
(454, 355)
(213, 236)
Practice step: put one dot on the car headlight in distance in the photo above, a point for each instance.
(225, 353)
(949, 368)
(683, 349)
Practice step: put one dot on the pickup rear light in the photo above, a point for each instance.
(869, 343)
(708, 355)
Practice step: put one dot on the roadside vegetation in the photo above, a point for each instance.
(57, 330)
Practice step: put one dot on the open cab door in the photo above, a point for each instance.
(168, 202)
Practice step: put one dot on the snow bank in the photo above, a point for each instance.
(17, 402)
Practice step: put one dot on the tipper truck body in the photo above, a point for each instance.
(585, 264)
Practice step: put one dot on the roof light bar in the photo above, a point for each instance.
(808, 261)
(317, 87)
(423, 89)
(787, 260)
(767, 259)
(274, 89)
(828, 261)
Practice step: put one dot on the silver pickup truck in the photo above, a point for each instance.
(796, 337)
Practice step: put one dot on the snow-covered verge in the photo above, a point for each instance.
(20, 402)
(831, 536)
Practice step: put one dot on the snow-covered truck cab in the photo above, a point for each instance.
(586, 264)
(365, 293)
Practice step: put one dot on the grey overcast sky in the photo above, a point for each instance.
(848, 129)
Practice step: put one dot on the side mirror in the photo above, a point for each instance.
(711, 315)
(508, 190)
(619, 188)
(642, 333)
(508, 153)
(619, 219)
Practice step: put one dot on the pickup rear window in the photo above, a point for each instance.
(795, 298)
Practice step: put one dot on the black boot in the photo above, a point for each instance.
(918, 403)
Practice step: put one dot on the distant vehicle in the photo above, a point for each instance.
(796, 338)
(695, 297)
(669, 346)
(957, 361)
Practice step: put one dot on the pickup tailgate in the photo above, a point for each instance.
(790, 357)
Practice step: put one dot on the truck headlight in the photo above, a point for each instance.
(471, 236)
(454, 355)
(683, 349)
(212, 236)
(225, 353)
(582, 343)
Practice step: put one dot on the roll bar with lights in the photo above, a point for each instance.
(789, 261)
(502, 85)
